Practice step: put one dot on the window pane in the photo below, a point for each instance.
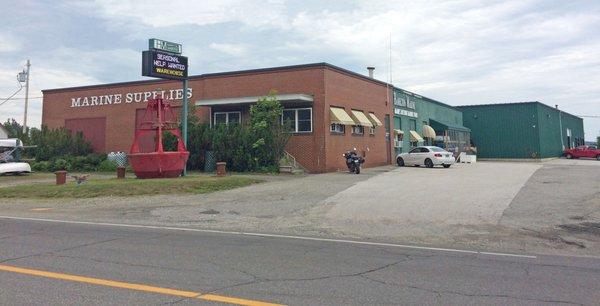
(289, 119)
(303, 125)
(234, 118)
(289, 115)
(220, 118)
(304, 114)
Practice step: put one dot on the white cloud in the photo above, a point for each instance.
(160, 13)
(230, 49)
(9, 43)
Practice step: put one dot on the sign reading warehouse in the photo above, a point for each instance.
(160, 64)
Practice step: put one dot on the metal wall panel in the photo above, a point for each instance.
(504, 130)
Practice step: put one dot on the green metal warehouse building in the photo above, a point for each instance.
(522, 130)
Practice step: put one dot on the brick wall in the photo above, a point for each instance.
(318, 151)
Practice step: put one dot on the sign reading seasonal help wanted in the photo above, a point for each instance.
(159, 64)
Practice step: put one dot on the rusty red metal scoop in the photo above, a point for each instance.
(158, 117)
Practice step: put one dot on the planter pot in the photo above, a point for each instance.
(120, 172)
(221, 171)
(61, 177)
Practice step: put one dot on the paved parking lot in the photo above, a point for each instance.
(425, 201)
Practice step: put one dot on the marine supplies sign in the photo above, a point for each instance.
(164, 65)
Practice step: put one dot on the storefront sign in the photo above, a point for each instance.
(158, 44)
(159, 64)
(130, 97)
(403, 99)
(404, 112)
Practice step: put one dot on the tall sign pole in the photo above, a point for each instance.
(184, 120)
(26, 99)
(164, 60)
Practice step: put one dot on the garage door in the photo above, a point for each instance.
(93, 130)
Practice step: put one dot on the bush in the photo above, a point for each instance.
(58, 143)
(41, 166)
(60, 164)
(257, 146)
(107, 166)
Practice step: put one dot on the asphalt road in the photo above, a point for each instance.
(249, 269)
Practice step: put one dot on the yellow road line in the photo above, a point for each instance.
(132, 286)
(40, 209)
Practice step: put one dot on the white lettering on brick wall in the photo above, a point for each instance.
(130, 97)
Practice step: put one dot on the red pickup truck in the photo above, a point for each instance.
(583, 151)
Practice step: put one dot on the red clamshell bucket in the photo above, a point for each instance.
(158, 117)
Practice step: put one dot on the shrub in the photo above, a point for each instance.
(257, 146)
(41, 166)
(107, 166)
(60, 164)
(58, 143)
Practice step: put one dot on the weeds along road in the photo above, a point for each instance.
(74, 264)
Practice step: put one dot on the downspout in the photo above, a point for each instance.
(562, 141)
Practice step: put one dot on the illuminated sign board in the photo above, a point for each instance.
(158, 44)
(164, 65)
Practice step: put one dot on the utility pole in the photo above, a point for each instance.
(26, 99)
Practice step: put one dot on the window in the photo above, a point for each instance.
(298, 120)
(338, 128)
(371, 130)
(398, 140)
(415, 150)
(413, 124)
(424, 150)
(227, 118)
(358, 129)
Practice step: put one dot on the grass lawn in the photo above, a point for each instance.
(25, 177)
(127, 187)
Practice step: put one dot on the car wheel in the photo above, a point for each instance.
(569, 156)
(446, 166)
(428, 163)
(400, 161)
(598, 157)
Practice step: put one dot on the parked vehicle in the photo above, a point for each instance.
(353, 161)
(583, 151)
(9, 164)
(428, 156)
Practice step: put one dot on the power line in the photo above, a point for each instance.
(16, 92)
(23, 98)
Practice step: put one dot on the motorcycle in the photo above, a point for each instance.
(353, 161)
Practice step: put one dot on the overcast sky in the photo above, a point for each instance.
(459, 52)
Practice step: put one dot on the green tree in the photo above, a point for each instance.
(15, 130)
(270, 135)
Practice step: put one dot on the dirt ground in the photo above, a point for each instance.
(551, 207)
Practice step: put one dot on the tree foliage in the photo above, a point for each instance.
(55, 143)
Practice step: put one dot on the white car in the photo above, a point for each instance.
(427, 155)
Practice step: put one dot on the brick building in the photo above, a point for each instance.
(331, 109)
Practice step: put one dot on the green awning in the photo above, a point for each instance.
(439, 126)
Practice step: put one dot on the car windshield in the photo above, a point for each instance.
(436, 149)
